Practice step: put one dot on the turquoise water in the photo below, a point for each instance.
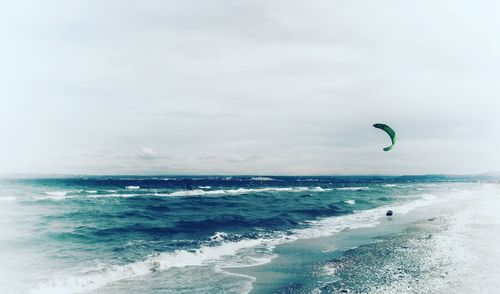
(194, 234)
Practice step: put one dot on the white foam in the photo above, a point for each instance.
(353, 188)
(8, 198)
(246, 287)
(319, 189)
(94, 279)
(205, 187)
(331, 268)
(133, 187)
(262, 179)
(362, 219)
(218, 236)
(114, 195)
(56, 193)
(239, 191)
(350, 201)
(202, 192)
(53, 195)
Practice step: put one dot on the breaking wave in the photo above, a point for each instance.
(262, 179)
(133, 187)
(98, 277)
(239, 191)
(353, 188)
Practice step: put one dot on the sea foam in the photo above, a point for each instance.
(262, 179)
(132, 187)
(239, 191)
(353, 188)
(97, 278)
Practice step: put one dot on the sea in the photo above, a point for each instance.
(229, 234)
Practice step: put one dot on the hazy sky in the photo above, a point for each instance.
(249, 87)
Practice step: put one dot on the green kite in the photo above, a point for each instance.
(389, 132)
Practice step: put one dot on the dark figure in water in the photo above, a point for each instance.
(389, 213)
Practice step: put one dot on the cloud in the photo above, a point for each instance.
(239, 158)
(147, 154)
(280, 87)
(205, 157)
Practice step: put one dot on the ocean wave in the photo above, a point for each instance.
(262, 179)
(53, 195)
(362, 219)
(195, 192)
(353, 188)
(114, 195)
(205, 187)
(106, 274)
(239, 191)
(133, 187)
(218, 237)
(56, 193)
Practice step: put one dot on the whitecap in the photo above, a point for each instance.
(114, 195)
(56, 193)
(218, 237)
(239, 191)
(353, 188)
(262, 179)
(132, 187)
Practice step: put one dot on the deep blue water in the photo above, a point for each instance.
(100, 233)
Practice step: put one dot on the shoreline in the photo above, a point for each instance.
(438, 229)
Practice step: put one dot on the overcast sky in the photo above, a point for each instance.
(249, 87)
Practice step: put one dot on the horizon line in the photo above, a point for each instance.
(69, 175)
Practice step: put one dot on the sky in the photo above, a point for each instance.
(249, 87)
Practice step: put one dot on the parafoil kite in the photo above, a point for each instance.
(389, 132)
